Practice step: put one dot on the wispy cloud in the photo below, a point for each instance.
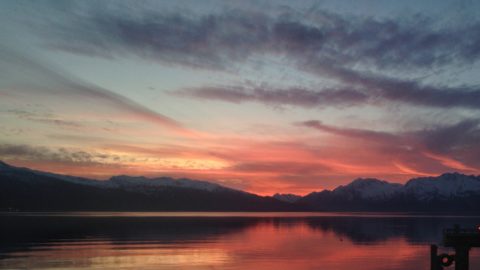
(282, 167)
(39, 79)
(380, 87)
(355, 51)
(292, 96)
(44, 117)
(216, 39)
(454, 146)
(283, 57)
(351, 132)
(60, 155)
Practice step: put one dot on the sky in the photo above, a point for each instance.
(263, 96)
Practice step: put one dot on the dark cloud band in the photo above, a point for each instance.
(290, 96)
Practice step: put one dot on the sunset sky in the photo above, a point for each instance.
(263, 96)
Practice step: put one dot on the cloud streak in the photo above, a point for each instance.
(362, 89)
(326, 44)
(41, 79)
(215, 39)
(59, 155)
(290, 96)
(398, 90)
(359, 65)
(454, 146)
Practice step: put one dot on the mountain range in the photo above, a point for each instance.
(23, 189)
(449, 192)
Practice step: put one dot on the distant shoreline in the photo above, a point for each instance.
(290, 214)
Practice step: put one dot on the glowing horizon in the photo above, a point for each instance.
(266, 98)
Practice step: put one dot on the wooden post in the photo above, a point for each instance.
(461, 258)
(459, 239)
(434, 263)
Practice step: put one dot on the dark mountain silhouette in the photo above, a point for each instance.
(291, 198)
(23, 189)
(450, 192)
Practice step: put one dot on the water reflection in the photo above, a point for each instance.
(221, 242)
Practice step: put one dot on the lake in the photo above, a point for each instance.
(260, 241)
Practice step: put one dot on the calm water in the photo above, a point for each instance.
(221, 241)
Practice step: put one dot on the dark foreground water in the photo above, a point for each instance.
(221, 241)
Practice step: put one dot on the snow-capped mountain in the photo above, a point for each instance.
(445, 186)
(447, 192)
(30, 190)
(368, 188)
(140, 182)
(449, 185)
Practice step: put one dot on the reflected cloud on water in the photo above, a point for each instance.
(221, 242)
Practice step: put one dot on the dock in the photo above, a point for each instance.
(461, 240)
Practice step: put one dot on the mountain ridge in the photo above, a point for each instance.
(447, 192)
(25, 189)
